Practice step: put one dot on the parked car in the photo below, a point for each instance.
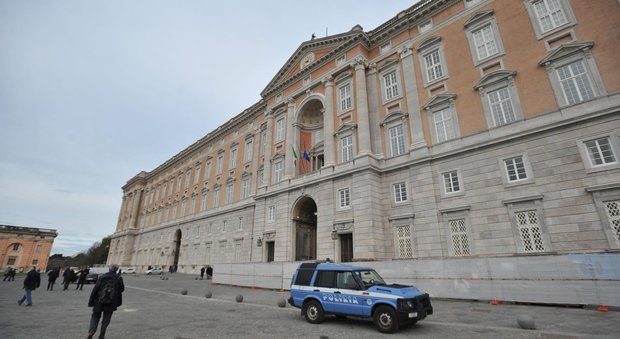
(154, 271)
(342, 290)
(91, 278)
(129, 270)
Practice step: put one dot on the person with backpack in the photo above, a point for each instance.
(106, 297)
(51, 280)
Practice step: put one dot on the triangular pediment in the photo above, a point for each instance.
(311, 54)
(478, 17)
(565, 50)
(439, 99)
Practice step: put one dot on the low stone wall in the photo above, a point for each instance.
(583, 279)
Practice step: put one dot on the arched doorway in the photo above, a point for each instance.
(177, 248)
(304, 221)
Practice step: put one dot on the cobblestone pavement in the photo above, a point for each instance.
(155, 308)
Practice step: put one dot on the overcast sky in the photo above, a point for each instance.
(93, 92)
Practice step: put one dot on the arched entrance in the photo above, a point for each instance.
(304, 223)
(310, 122)
(177, 248)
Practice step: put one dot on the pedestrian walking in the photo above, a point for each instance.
(105, 298)
(32, 281)
(209, 272)
(7, 274)
(82, 278)
(12, 276)
(51, 278)
(202, 272)
(68, 276)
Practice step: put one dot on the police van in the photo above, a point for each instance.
(343, 290)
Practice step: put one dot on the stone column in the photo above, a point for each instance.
(289, 169)
(361, 101)
(373, 113)
(413, 100)
(328, 122)
(137, 196)
(255, 155)
(268, 148)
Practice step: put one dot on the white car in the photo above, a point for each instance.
(129, 270)
(154, 271)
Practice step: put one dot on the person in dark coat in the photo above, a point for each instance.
(82, 278)
(32, 281)
(202, 272)
(68, 276)
(51, 278)
(106, 309)
(209, 272)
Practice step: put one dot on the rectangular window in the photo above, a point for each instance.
(484, 40)
(550, 14)
(193, 208)
(397, 140)
(346, 148)
(35, 262)
(15, 247)
(11, 261)
(247, 151)
(245, 188)
(263, 138)
(233, 158)
(208, 170)
(179, 182)
(261, 178)
(390, 85)
(515, 169)
(240, 226)
(219, 165)
(229, 193)
(174, 211)
(344, 94)
(529, 230)
(216, 197)
(403, 240)
(425, 26)
(612, 210)
(460, 242)
(501, 106)
(444, 125)
(432, 61)
(344, 197)
(196, 175)
(280, 129)
(600, 152)
(224, 226)
(400, 192)
(451, 182)
(39, 248)
(272, 213)
(278, 172)
(183, 207)
(575, 82)
(203, 201)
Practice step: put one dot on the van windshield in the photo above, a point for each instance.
(370, 278)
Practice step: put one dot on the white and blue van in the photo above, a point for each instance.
(343, 290)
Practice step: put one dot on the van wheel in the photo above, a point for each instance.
(385, 319)
(313, 312)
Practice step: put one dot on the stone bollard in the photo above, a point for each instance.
(208, 294)
(184, 291)
(526, 321)
(239, 298)
(282, 303)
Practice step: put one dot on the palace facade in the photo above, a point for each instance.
(22, 248)
(475, 139)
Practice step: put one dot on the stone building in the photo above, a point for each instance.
(461, 145)
(24, 247)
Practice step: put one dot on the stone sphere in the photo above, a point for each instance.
(208, 294)
(239, 298)
(526, 321)
(281, 303)
(184, 291)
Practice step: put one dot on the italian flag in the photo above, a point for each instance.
(295, 155)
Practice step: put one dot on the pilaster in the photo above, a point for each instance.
(328, 123)
(361, 96)
(413, 100)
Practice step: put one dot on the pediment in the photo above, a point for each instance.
(397, 115)
(345, 127)
(311, 54)
(478, 17)
(565, 50)
(439, 99)
(429, 42)
(493, 77)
